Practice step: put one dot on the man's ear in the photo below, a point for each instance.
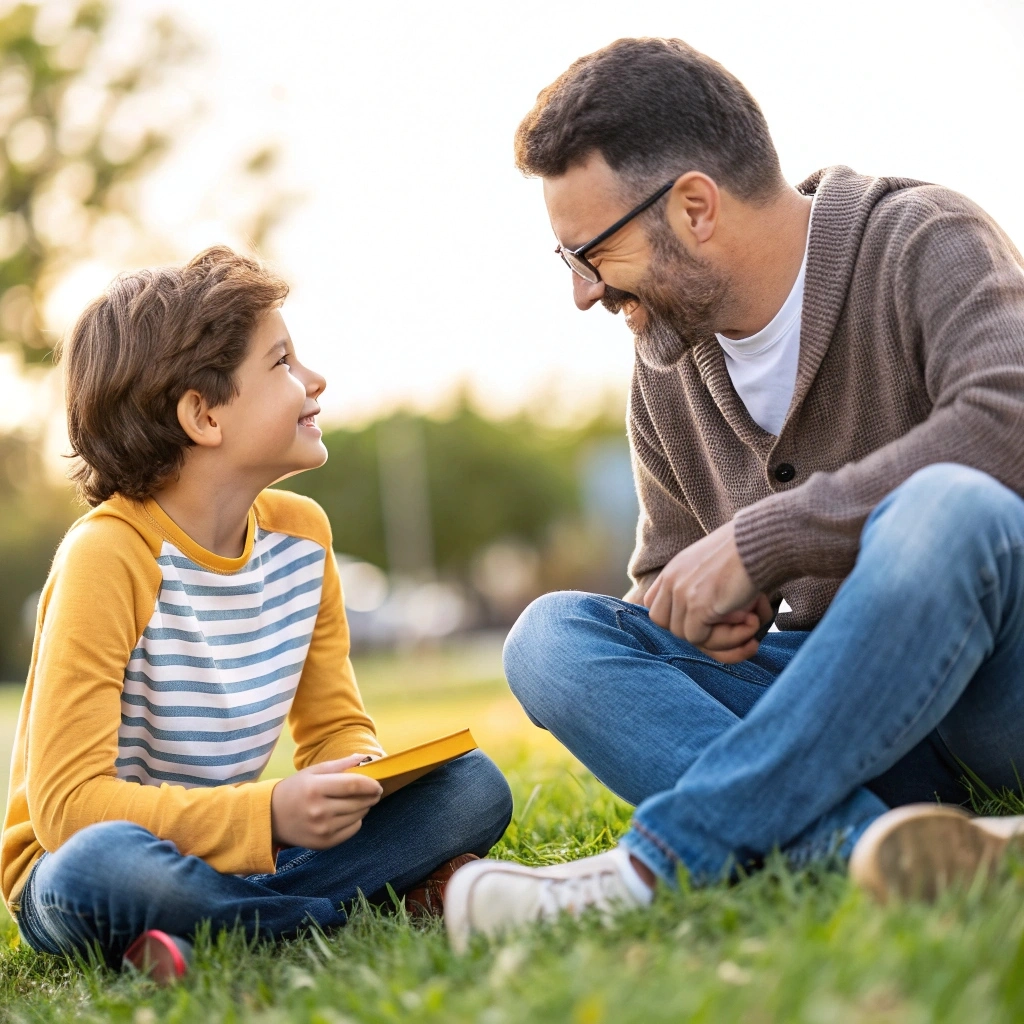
(693, 208)
(197, 419)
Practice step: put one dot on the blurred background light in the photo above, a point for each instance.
(475, 419)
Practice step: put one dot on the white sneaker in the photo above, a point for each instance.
(491, 896)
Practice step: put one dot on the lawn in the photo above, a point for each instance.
(778, 946)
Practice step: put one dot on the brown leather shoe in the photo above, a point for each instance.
(427, 898)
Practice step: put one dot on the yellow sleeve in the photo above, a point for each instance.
(327, 718)
(100, 596)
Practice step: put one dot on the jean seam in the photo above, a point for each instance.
(1011, 548)
(696, 659)
(657, 841)
(620, 615)
(295, 862)
(29, 921)
(729, 670)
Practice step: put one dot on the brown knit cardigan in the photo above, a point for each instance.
(911, 353)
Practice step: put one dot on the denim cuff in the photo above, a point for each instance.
(651, 851)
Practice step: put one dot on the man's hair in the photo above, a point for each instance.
(654, 109)
(133, 353)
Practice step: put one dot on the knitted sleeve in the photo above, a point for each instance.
(958, 293)
(327, 718)
(666, 524)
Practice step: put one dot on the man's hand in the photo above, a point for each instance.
(704, 595)
(322, 805)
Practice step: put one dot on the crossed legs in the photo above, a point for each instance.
(917, 666)
(114, 880)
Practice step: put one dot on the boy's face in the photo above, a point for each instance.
(269, 428)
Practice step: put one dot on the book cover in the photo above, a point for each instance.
(397, 770)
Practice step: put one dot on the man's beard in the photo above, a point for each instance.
(682, 296)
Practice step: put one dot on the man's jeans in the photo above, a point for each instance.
(917, 667)
(112, 881)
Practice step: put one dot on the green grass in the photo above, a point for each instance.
(779, 946)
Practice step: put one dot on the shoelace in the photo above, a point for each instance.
(573, 894)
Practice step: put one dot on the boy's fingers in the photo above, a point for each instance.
(345, 784)
(348, 832)
(342, 819)
(342, 764)
(338, 807)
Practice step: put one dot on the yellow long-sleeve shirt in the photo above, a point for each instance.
(162, 675)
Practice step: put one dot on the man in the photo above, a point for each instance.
(827, 409)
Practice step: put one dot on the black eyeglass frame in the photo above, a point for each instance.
(576, 259)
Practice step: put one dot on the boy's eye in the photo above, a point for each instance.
(282, 361)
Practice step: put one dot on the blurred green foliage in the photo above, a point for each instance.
(79, 126)
(488, 480)
(34, 513)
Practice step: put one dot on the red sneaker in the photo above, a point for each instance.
(427, 898)
(165, 958)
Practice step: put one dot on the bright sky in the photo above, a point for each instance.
(421, 259)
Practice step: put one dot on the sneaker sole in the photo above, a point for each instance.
(918, 851)
(163, 958)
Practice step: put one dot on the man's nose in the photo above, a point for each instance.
(584, 293)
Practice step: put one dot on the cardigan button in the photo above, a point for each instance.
(784, 472)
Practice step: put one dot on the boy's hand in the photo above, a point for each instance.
(322, 805)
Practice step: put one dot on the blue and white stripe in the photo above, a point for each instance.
(209, 685)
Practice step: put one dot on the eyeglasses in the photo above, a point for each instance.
(576, 259)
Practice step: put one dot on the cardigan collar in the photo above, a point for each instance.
(843, 204)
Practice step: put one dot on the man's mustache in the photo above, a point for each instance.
(613, 299)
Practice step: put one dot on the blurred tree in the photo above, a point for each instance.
(88, 105)
(34, 514)
(79, 126)
(487, 480)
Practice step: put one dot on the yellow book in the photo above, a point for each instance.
(397, 770)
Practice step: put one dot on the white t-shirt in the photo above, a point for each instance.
(763, 366)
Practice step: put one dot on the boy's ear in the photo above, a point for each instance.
(198, 421)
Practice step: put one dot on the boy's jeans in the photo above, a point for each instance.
(114, 880)
(917, 665)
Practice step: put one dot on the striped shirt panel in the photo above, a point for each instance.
(210, 682)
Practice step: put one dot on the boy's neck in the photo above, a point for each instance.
(213, 511)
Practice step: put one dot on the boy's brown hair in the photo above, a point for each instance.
(137, 349)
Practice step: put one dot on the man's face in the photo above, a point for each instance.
(670, 297)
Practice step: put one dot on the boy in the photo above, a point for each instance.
(184, 619)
